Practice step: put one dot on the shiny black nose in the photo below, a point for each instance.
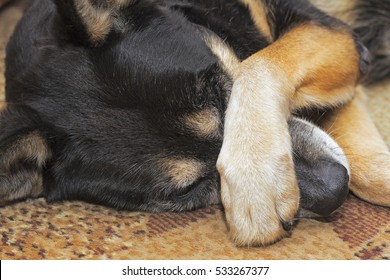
(323, 186)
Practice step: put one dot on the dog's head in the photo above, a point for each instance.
(129, 102)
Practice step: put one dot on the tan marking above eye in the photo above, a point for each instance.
(183, 171)
(205, 123)
(97, 20)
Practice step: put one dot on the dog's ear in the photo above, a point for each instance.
(23, 154)
(91, 21)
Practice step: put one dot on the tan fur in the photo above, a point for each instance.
(31, 187)
(22, 183)
(184, 171)
(99, 21)
(255, 163)
(225, 54)
(206, 123)
(259, 17)
(321, 64)
(37, 188)
(308, 66)
(286, 198)
(368, 155)
(31, 146)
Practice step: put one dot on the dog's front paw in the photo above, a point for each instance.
(371, 177)
(259, 188)
(260, 196)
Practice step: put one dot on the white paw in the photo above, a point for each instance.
(259, 188)
(260, 196)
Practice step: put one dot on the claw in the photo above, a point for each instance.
(287, 226)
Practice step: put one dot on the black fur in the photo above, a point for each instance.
(372, 24)
(284, 15)
(111, 112)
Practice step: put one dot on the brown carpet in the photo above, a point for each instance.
(77, 230)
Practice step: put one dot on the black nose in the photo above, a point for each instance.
(336, 179)
(324, 186)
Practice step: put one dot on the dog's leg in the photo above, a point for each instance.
(23, 153)
(351, 126)
(310, 64)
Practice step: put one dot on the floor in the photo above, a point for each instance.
(75, 230)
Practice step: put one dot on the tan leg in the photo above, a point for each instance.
(369, 157)
(259, 189)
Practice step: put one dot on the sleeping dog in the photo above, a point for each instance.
(172, 105)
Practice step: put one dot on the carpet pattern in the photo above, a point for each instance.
(75, 230)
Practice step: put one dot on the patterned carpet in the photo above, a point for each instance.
(76, 230)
